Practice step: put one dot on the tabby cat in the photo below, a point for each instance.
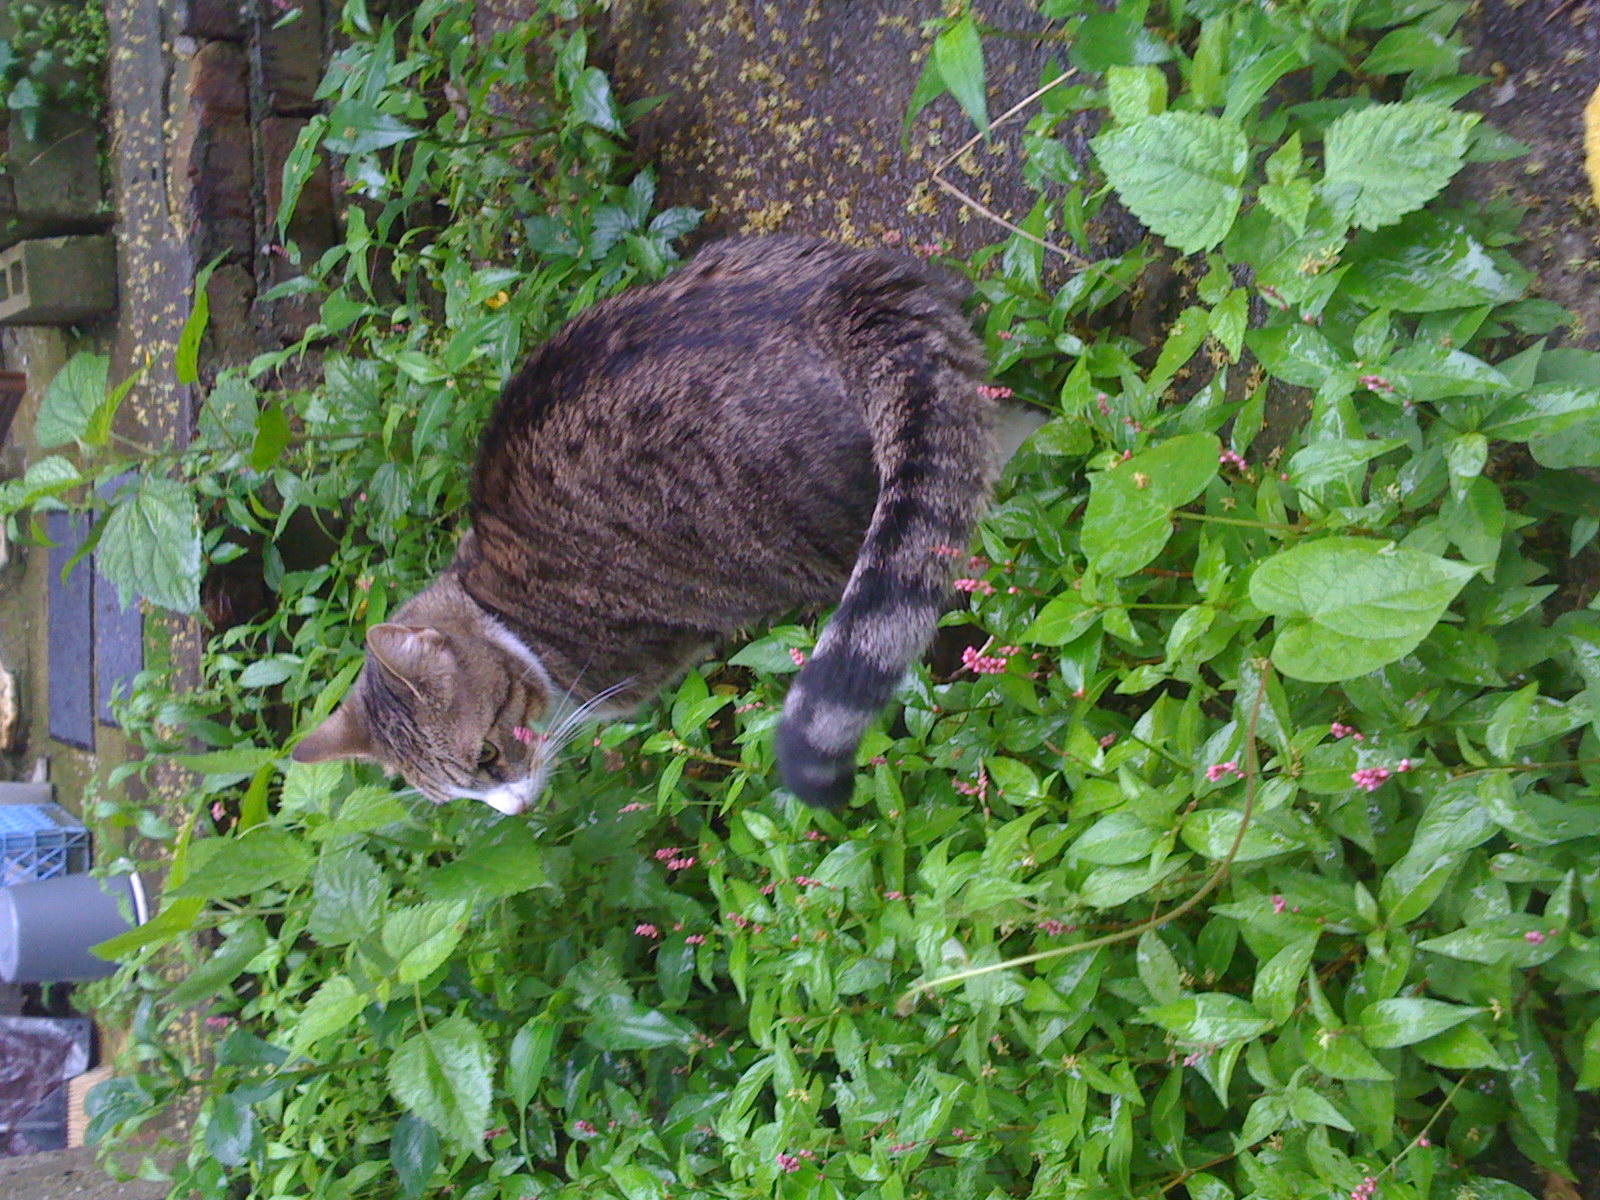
(782, 419)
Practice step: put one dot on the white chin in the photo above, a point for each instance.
(506, 801)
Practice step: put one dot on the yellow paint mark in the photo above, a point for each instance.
(1591, 143)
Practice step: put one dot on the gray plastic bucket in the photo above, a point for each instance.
(47, 927)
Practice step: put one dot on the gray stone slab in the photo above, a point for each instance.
(70, 634)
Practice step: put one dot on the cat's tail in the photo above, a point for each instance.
(934, 449)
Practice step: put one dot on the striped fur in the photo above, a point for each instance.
(782, 421)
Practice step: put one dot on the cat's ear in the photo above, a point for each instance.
(342, 735)
(414, 654)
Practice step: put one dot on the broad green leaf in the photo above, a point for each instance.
(231, 1128)
(71, 399)
(1390, 159)
(1061, 620)
(1463, 1048)
(593, 102)
(958, 52)
(1347, 606)
(1180, 173)
(335, 1004)
(1212, 832)
(239, 866)
(1277, 985)
(1518, 940)
(506, 859)
(625, 1024)
(150, 545)
(1210, 1017)
(1426, 263)
(1129, 517)
(271, 436)
(421, 937)
(1133, 93)
(348, 892)
(1297, 354)
(444, 1074)
(1287, 194)
(414, 1154)
(1402, 1021)
(1229, 320)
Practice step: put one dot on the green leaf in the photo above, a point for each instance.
(1518, 940)
(1129, 517)
(239, 866)
(958, 52)
(1426, 263)
(298, 167)
(1347, 606)
(1402, 1021)
(1209, 1018)
(150, 545)
(414, 1154)
(530, 1052)
(187, 362)
(505, 859)
(335, 1004)
(593, 102)
(1180, 173)
(1390, 159)
(1287, 194)
(421, 937)
(71, 399)
(1296, 354)
(1133, 93)
(347, 891)
(625, 1024)
(1212, 832)
(1229, 320)
(1064, 618)
(1277, 985)
(230, 1129)
(271, 436)
(444, 1074)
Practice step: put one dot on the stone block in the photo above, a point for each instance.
(212, 19)
(58, 281)
(52, 183)
(291, 58)
(212, 160)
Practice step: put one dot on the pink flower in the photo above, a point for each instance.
(1376, 383)
(666, 852)
(799, 657)
(1344, 731)
(1424, 1142)
(788, 1163)
(1217, 771)
(894, 895)
(1365, 1189)
(645, 929)
(584, 1128)
(982, 664)
(523, 734)
(1369, 778)
(636, 806)
(981, 586)
(1279, 904)
(1229, 458)
(218, 810)
(680, 864)
(1535, 936)
(1107, 741)
(696, 939)
(1054, 927)
(1005, 335)
(219, 1022)
(995, 392)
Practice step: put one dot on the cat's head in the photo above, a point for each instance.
(451, 710)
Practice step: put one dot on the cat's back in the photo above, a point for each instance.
(752, 319)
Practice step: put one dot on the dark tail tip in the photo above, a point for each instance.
(821, 780)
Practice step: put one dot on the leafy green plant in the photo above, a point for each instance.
(54, 60)
(1247, 850)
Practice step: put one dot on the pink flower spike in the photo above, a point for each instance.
(982, 664)
(523, 734)
(1005, 335)
(1279, 904)
(696, 939)
(644, 929)
(1216, 771)
(788, 1163)
(1535, 936)
(1341, 731)
(1369, 779)
(1424, 1142)
(799, 657)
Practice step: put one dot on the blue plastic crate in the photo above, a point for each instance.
(38, 841)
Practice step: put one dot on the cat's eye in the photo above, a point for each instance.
(489, 755)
